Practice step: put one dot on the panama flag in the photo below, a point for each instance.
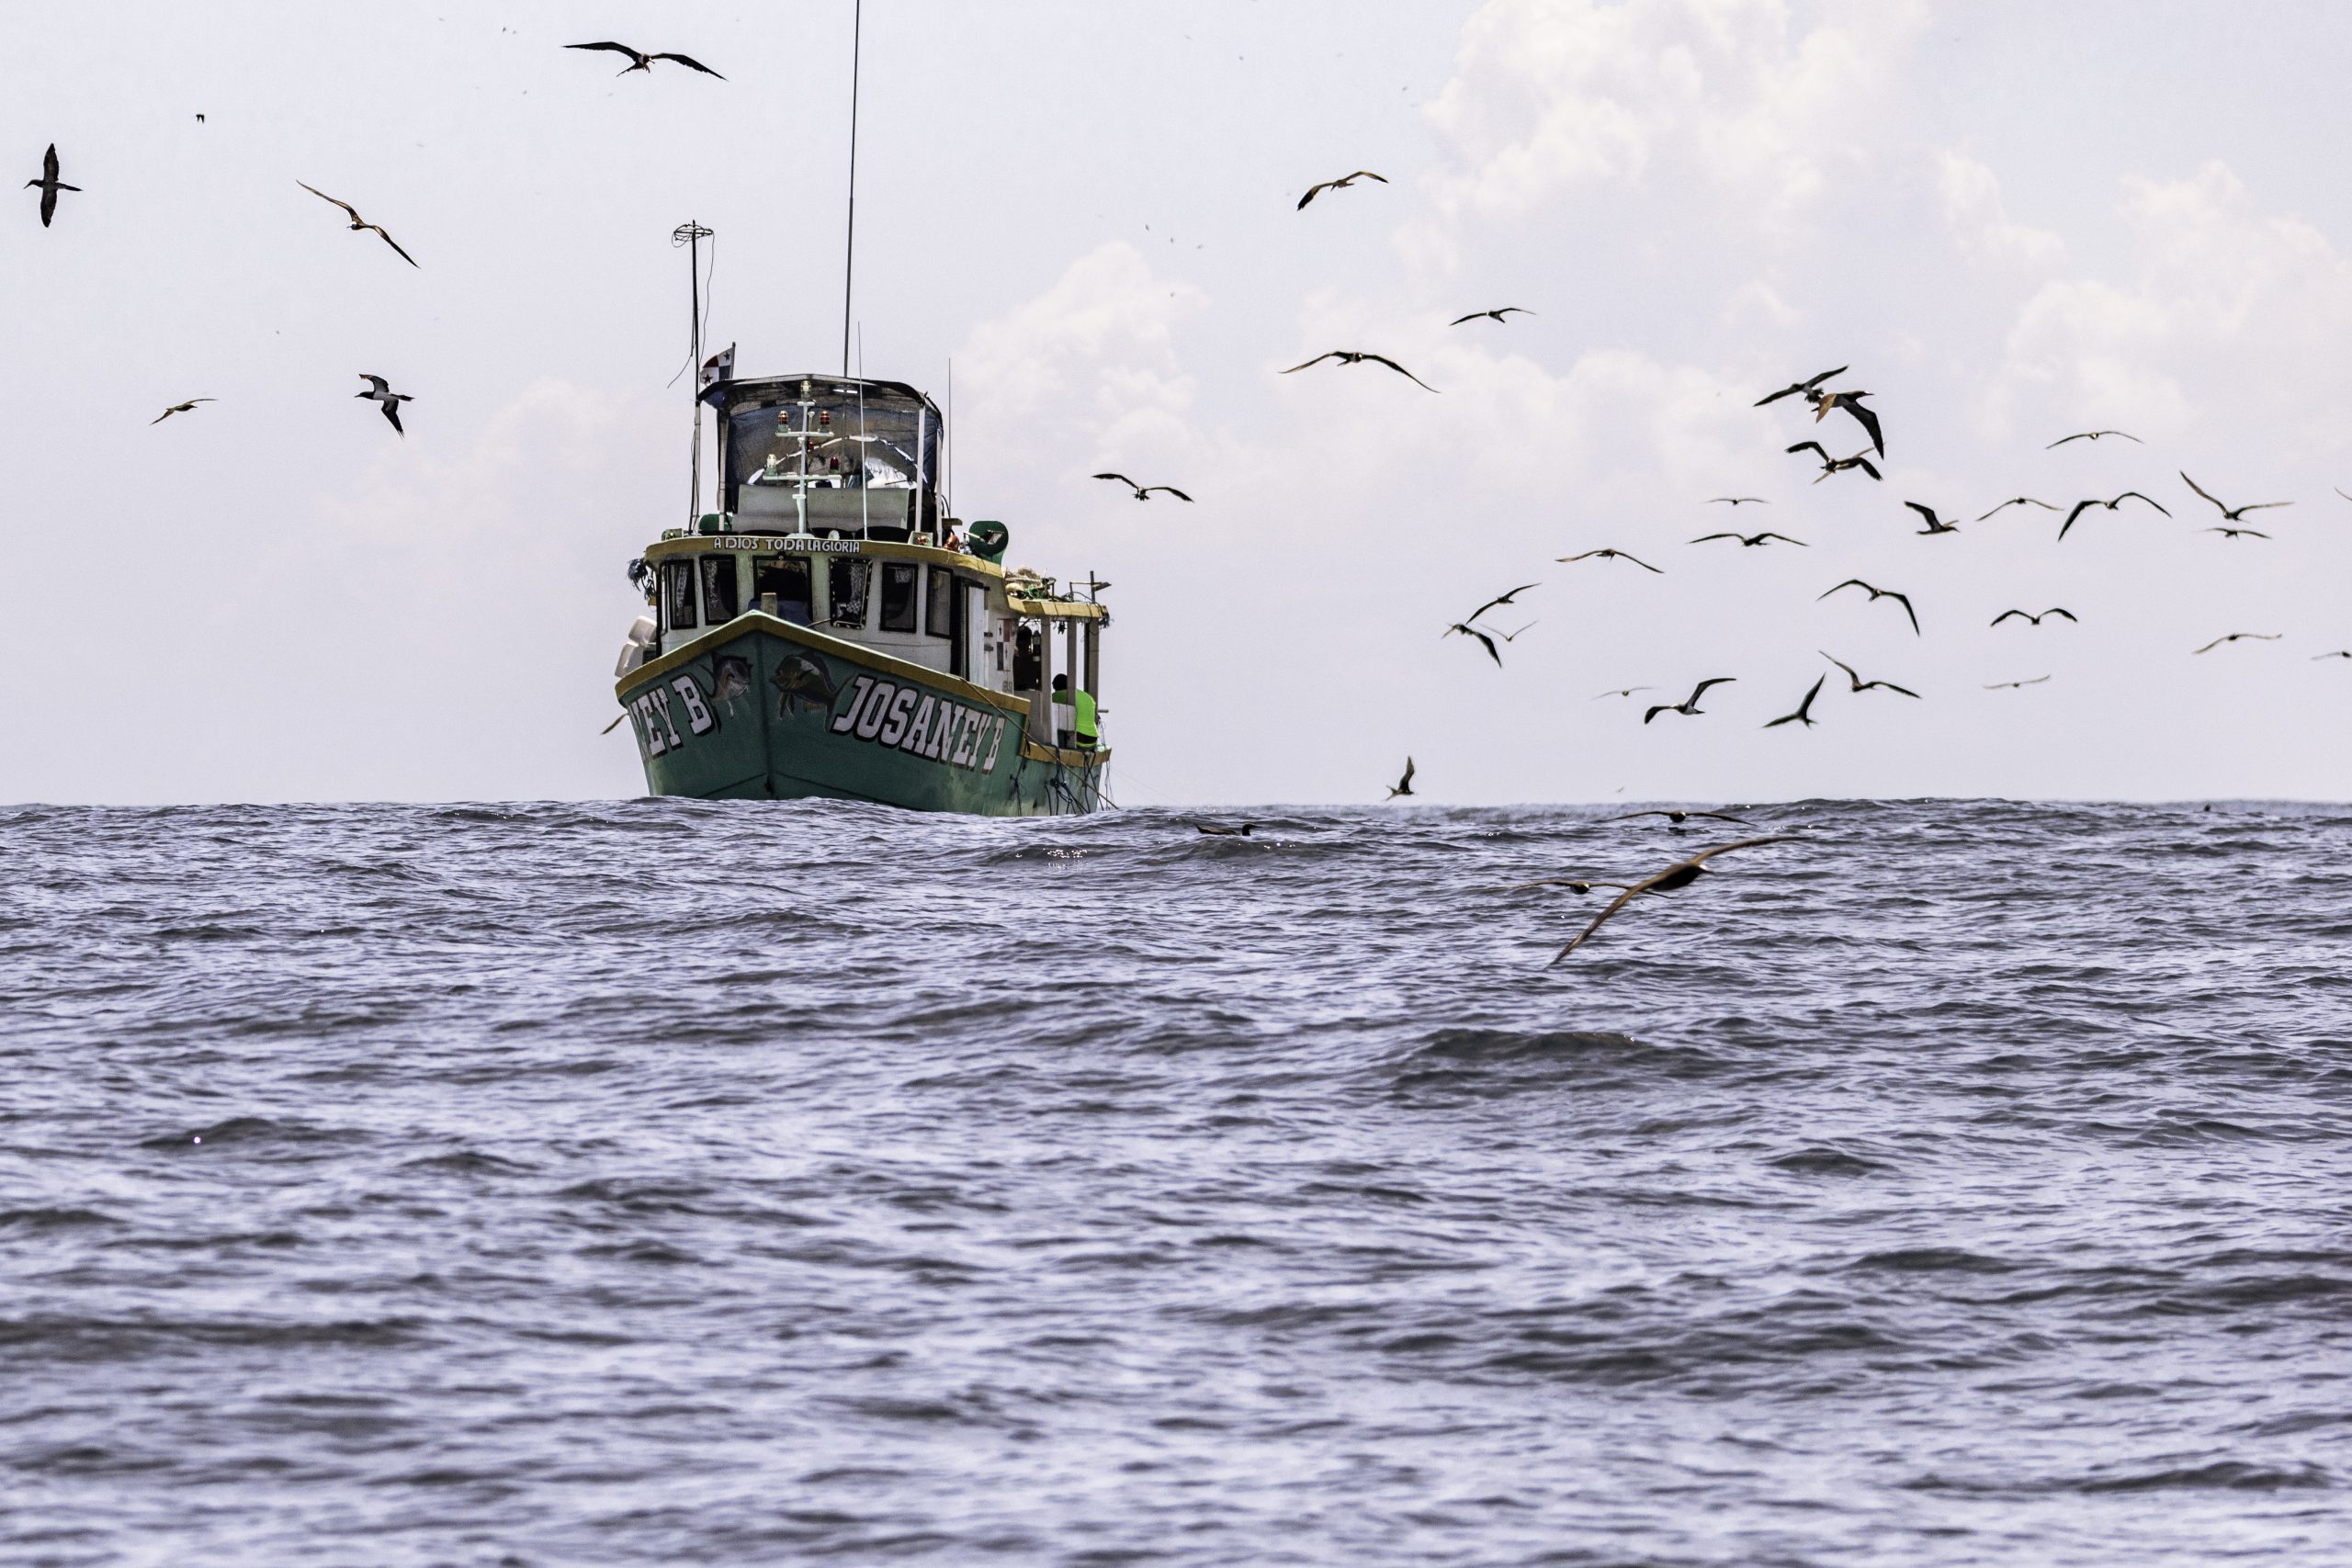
(720, 366)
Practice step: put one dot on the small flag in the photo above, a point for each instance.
(720, 366)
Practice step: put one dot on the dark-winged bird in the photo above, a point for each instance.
(1351, 356)
(1497, 313)
(1852, 404)
(1342, 182)
(1830, 465)
(1861, 685)
(2240, 636)
(2338, 653)
(358, 222)
(1609, 555)
(1498, 600)
(1794, 388)
(2232, 513)
(1751, 540)
(2014, 685)
(2020, 501)
(2083, 506)
(1625, 692)
(1486, 639)
(2236, 533)
(1878, 594)
(49, 184)
(1674, 814)
(2092, 436)
(187, 407)
(1242, 832)
(1751, 501)
(1143, 492)
(1404, 785)
(1681, 874)
(2031, 619)
(1804, 710)
(381, 391)
(1688, 706)
(1935, 523)
(640, 61)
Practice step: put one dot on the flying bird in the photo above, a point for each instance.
(1609, 555)
(1759, 501)
(1861, 685)
(358, 222)
(1404, 785)
(1752, 540)
(2232, 513)
(1804, 710)
(1497, 313)
(381, 391)
(2013, 685)
(1342, 182)
(1486, 640)
(1681, 874)
(2340, 653)
(1830, 465)
(1935, 523)
(1852, 404)
(640, 61)
(1498, 600)
(2020, 501)
(1688, 706)
(1242, 832)
(2241, 637)
(187, 407)
(1676, 816)
(49, 184)
(2092, 436)
(2083, 506)
(2031, 619)
(1625, 692)
(1350, 356)
(1143, 492)
(2235, 533)
(1878, 594)
(1794, 388)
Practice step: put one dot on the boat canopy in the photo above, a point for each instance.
(862, 456)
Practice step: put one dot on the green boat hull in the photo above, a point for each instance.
(762, 709)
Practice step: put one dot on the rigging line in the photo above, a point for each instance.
(849, 251)
(702, 327)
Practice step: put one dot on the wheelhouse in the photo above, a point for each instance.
(829, 454)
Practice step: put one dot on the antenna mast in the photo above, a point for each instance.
(691, 235)
(849, 256)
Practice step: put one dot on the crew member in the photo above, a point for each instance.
(1076, 728)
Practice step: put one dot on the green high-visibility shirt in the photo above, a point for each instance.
(1081, 705)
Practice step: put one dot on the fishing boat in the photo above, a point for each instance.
(830, 631)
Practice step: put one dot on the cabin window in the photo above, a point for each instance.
(898, 595)
(959, 627)
(678, 594)
(787, 578)
(940, 596)
(718, 589)
(847, 591)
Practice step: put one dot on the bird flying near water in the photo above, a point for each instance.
(1794, 388)
(1681, 874)
(1752, 540)
(1830, 465)
(1861, 685)
(1688, 706)
(1143, 492)
(1607, 555)
(1804, 710)
(1852, 404)
(1404, 785)
(1935, 523)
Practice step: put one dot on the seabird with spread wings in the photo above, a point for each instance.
(2031, 619)
(1935, 523)
(1804, 710)
(187, 407)
(1752, 540)
(1605, 554)
(1861, 685)
(1143, 492)
(2083, 506)
(1794, 388)
(49, 184)
(1681, 874)
(1486, 639)
(1852, 404)
(1876, 595)
(2232, 513)
(2240, 636)
(1497, 313)
(2093, 436)
(359, 223)
(1688, 706)
(1830, 465)
(2020, 501)
(1404, 785)
(1342, 182)
(381, 391)
(640, 61)
(1354, 356)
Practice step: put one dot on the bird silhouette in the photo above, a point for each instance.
(381, 391)
(1404, 785)
(1674, 814)
(187, 407)
(1353, 357)
(49, 184)
(1143, 492)
(1607, 555)
(1623, 692)
(1804, 710)
(1935, 523)
(1498, 600)
(1486, 640)
(2338, 653)
(2228, 533)
(640, 61)
(1497, 313)
(2091, 436)
(1752, 540)
(359, 223)
(1852, 404)
(2083, 506)
(1681, 874)
(2020, 501)
(1794, 388)
(1342, 182)
(2015, 685)
(1878, 594)
(2232, 513)
(1759, 501)
(2240, 636)
(2031, 619)
(1830, 465)
(1688, 706)
(1859, 686)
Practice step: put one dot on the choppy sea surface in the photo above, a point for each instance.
(659, 1181)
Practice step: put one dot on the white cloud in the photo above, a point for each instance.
(1972, 207)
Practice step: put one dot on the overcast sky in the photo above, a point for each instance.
(2013, 221)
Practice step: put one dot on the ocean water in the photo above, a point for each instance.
(1960, 1182)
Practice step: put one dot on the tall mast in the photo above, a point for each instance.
(849, 255)
(691, 235)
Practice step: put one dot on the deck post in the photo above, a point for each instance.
(1040, 701)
